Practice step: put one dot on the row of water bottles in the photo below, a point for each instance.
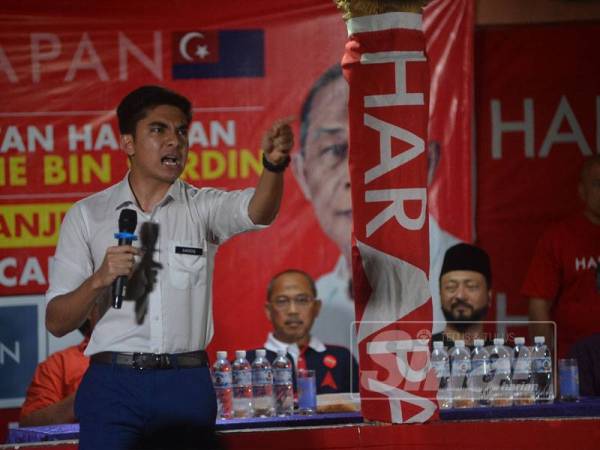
(494, 375)
(253, 390)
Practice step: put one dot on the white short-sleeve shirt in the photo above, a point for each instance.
(179, 317)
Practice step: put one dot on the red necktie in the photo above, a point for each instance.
(301, 359)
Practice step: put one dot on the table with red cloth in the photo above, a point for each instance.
(550, 426)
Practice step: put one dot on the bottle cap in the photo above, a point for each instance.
(239, 354)
(261, 353)
(459, 343)
(520, 340)
(438, 344)
(221, 354)
(478, 342)
(539, 339)
(498, 341)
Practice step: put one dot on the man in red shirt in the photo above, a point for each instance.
(562, 281)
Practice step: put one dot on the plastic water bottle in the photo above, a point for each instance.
(221, 374)
(542, 371)
(460, 366)
(283, 391)
(242, 385)
(262, 385)
(480, 378)
(441, 364)
(500, 392)
(522, 377)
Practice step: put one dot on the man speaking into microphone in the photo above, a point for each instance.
(150, 380)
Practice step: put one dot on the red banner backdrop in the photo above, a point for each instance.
(450, 122)
(450, 162)
(64, 70)
(538, 116)
(61, 77)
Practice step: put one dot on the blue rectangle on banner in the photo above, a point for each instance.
(18, 348)
(241, 53)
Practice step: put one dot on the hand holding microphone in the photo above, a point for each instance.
(120, 259)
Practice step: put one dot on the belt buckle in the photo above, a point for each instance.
(141, 361)
(164, 362)
(137, 361)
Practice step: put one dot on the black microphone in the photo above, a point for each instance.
(127, 224)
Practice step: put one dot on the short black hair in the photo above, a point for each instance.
(311, 282)
(138, 102)
(329, 76)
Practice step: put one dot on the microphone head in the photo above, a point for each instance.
(149, 235)
(127, 221)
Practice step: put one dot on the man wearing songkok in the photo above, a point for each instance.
(465, 291)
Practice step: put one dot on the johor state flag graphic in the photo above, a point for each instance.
(218, 54)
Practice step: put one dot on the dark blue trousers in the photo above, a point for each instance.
(124, 408)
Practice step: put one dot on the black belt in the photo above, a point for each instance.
(142, 361)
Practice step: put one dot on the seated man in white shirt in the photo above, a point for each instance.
(292, 306)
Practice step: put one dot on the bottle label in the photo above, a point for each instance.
(262, 376)
(461, 367)
(501, 365)
(242, 377)
(542, 365)
(441, 368)
(282, 376)
(522, 365)
(480, 367)
(222, 379)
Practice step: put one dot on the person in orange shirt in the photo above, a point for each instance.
(51, 394)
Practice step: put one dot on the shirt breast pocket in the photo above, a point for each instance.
(186, 262)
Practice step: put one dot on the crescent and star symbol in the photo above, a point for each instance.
(201, 50)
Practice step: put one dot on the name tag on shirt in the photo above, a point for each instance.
(188, 250)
